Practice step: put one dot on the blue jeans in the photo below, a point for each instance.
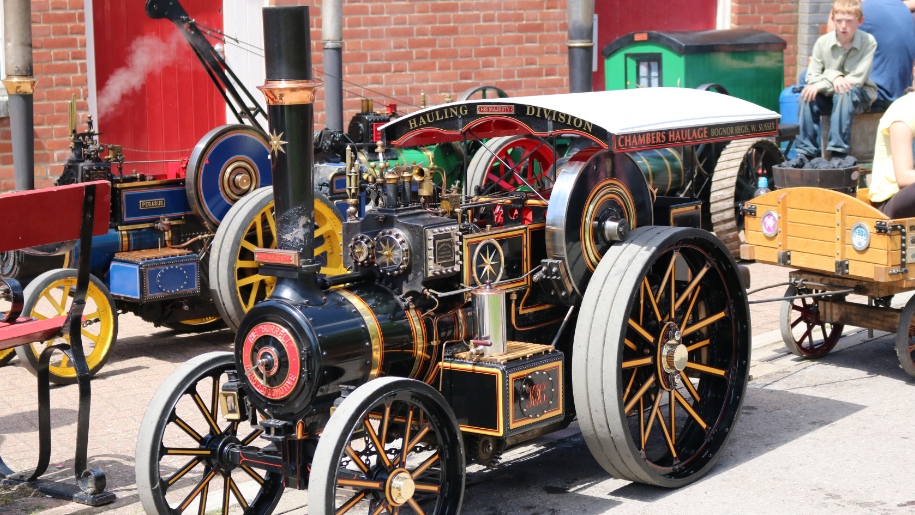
(842, 107)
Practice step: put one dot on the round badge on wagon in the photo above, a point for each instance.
(770, 223)
(860, 236)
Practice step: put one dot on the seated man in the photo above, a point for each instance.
(838, 81)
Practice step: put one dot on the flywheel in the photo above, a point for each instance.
(228, 163)
(592, 189)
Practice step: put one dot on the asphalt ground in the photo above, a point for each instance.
(825, 436)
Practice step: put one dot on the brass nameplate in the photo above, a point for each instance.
(152, 204)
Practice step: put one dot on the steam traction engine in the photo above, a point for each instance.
(466, 324)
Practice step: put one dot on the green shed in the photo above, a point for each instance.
(748, 63)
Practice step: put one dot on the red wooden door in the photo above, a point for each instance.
(620, 17)
(153, 94)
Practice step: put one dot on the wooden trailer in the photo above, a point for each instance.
(840, 245)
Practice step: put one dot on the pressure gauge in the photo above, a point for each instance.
(392, 252)
(362, 250)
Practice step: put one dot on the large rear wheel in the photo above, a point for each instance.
(234, 277)
(737, 170)
(661, 356)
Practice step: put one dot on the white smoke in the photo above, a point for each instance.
(146, 54)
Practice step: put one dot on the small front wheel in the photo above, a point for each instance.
(800, 319)
(393, 446)
(180, 468)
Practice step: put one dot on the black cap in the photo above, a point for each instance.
(287, 43)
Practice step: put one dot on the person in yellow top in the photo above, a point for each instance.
(891, 189)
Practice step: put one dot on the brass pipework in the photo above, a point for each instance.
(289, 92)
(352, 186)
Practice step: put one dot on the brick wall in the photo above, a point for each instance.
(812, 18)
(404, 48)
(59, 57)
(779, 17)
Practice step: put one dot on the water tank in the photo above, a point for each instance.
(787, 101)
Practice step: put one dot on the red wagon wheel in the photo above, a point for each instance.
(905, 338)
(799, 321)
(512, 163)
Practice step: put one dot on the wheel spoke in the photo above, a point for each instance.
(378, 509)
(702, 323)
(91, 337)
(415, 507)
(357, 460)
(707, 369)
(650, 425)
(378, 446)
(667, 274)
(639, 329)
(667, 435)
(689, 409)
(629, 344)
(202, 505)
(348, 505)
(796, 322)
(254, 475)
(406, 435)
(196, 491)
(689, 386)
(385, 420)
(672, 404)
(252, 297)
(236, 492)
(423, 487)
(245, 244)
(425, 465)
(692, 284)
(214, 401)
(361, 483)
(698, 345)
(188, 429)
(249, 280)
(629, 386)
(638, 362)
(692, 304)
(182, 472)
(250, 438)
(639, 393)
(206, 413)
(654, 305)
(187, 452)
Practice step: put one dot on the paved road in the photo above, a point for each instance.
(829, 436)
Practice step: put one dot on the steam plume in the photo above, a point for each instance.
(146, 54)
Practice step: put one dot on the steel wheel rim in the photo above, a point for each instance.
(252, 286)
(703, 387)
(364, 483)
(98, 324)
(210, 432)
(803, 320)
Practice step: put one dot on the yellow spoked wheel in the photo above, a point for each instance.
(51, 294)
(250, 224)
(196, 325)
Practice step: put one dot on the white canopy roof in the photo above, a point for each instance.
(601, 115)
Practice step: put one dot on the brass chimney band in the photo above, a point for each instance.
(289, 92)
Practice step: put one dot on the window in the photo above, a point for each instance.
(649, 73)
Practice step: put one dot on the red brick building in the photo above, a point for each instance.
(394, 51)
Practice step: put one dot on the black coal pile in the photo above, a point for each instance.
(818, 163)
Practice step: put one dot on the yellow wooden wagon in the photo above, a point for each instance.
(839, 245)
